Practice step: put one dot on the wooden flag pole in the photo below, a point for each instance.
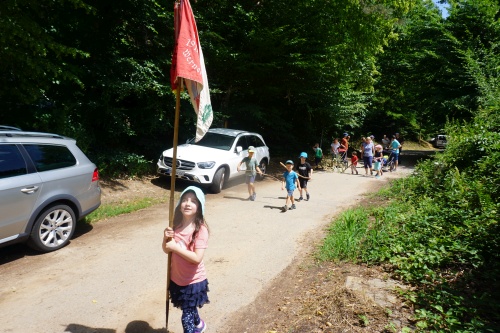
(172, 189)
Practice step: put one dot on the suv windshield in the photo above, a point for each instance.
(215, 140)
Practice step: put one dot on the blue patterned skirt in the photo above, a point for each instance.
(192, 295)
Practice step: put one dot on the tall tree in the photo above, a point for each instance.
(426, 76)
(287, 65)
(32, 51)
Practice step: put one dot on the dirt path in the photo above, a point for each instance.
(112, 278)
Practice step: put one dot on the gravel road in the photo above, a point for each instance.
(112, 277)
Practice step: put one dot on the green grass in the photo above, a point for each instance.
(115, 209)
(412, 145)
(345, 236)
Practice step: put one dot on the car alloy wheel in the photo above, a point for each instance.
(218, 181)
(53, 229)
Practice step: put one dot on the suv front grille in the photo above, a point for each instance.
(181, 164)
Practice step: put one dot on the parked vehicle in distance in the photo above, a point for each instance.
(47, 184)
(439, 141)
(214, 159)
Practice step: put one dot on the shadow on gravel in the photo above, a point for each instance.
(274, 207)
(164, 182)
(236, 198)
(82, 227)
(136, 326)
(15, 252)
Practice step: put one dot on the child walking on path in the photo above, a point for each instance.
(354, 162)
(252, 167)
(378, 160)
(290, 181)
(187, 241)
(318, 156)
(305, 171)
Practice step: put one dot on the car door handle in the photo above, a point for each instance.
(30, 190)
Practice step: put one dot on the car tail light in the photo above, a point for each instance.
(95, 175)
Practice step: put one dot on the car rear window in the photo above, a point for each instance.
(11, 162)
(50, 157)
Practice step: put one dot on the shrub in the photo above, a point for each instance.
(441, 234)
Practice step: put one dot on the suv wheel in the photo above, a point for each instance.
(218, 181)
(263, 168)
(53, 228)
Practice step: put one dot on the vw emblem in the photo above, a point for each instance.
(178, 164)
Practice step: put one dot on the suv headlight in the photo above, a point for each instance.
(206, 165)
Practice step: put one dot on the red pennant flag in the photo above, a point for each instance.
(188, 63)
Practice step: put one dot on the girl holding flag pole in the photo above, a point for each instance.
(186, 238)
(187, 242)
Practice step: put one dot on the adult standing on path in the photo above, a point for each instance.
(385, 142)
(395, 146)
(344, 146)
(334, 148)
(368, 150)
(400, 139)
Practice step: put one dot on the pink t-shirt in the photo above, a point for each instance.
(184, 272)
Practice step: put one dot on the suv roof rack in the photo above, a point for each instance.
(9, 128)
(19, 134)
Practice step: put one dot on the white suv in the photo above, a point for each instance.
(214, 159)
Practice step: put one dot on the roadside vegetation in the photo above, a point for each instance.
(109, 210)
(439, 232)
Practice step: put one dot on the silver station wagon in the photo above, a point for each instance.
(47, 184)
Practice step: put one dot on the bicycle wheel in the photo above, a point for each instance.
(345, 165)
(334, 165)
(392, 166)
(338, 166)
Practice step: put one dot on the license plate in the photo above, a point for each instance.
(177, 172)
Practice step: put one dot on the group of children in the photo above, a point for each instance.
(291, 179)
(296, 180)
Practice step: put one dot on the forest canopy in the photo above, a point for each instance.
(296, 71)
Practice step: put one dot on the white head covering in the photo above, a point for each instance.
(199, 195)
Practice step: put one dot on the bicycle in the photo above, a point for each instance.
(339, 162)
(389, 163)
